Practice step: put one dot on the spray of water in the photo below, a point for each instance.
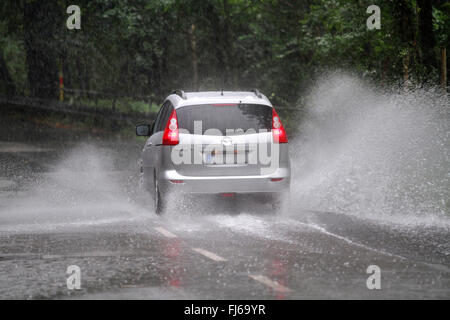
(84, 187)
(361, 151)
(377, 155)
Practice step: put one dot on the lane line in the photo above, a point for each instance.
(5, 184)
(270, 283)
(13, 147)
(209, 254)
(19, 256)
(28, 227)
(436, 266)
(165, 232)
(349, 241)
(92, 254)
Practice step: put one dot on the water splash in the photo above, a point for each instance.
(85, 186)
(374, 154)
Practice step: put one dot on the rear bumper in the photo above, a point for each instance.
(171, 180)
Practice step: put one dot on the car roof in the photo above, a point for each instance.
(212, 97)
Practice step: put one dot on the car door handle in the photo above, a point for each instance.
(149, 144)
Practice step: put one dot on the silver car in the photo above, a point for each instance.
(222, 143)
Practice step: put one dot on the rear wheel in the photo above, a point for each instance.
(276, 203)
(282, 202)
(160, 203)
(142, 194)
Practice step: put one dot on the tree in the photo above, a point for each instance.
(6, 82)
(41, 20)
(131, 48)
(426, 35)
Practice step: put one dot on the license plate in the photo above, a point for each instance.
(209, 158)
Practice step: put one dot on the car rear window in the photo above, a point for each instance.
(225, 117)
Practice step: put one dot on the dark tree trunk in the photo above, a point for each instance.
(426, 36)
(164, 77)
(79, 75)
(87, 76)
(444, 68)
(194, 55)
(6, 83)
(229, 45)
(156, 77)
(220, 49)
(41, 18)
(404, 14)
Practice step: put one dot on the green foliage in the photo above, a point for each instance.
(139, 48)
(14, 55)
(121, 104)
(441, 24)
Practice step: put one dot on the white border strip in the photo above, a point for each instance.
(272, 284)
(165, 232)
(209, 254)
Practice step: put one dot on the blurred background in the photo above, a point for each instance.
(129, 55)
(366, 112)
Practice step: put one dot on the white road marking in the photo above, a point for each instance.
(270, 283)
(209, 254)
(92, 254)
(165, 232)
(357, 244)
(13, 147)
(11, 256)
(28, 227)
(5, 184)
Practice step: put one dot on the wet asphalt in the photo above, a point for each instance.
(67, 202)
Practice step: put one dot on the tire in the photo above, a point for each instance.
(276, 203)
(159, 201)
(282, 202)
(142, 194)
(141, 176)
(288, 202)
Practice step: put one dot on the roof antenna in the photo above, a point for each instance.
(223, 83)
(180, 93)
(257, 93)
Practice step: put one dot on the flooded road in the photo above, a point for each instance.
(79, 206)
(370, 190)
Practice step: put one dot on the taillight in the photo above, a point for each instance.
(170, 136)
(228, 194)
(279, 134)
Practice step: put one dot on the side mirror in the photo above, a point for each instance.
(143, 130)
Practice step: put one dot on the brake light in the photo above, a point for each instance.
(278, 131)
(170, 136)
(227, 194)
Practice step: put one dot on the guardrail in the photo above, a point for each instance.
(73, 108)
(72, 105)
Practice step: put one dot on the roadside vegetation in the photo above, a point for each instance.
(129, 55)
